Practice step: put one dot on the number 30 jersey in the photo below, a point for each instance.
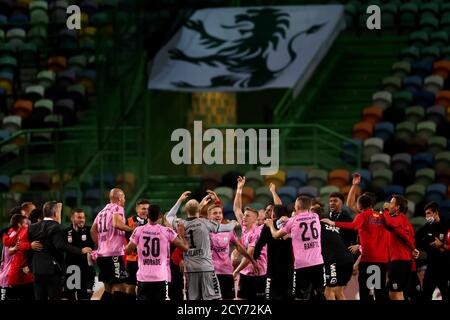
(304, 229)
(153, 250)
(199, 256)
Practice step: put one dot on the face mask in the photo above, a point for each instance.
(430, 220)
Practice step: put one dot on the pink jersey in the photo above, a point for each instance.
(248, 239)
(5, 264)
(111, 241)
(305, 233)
(220, 248)
(153, 248)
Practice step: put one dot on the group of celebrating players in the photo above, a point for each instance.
(281, 254)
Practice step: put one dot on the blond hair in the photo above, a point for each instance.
(192, 208)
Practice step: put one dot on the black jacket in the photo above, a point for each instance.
(349, 236)
(51, 259)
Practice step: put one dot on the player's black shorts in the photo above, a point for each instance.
(399, 272)
(308, 281)
(226, 283)
(132, 268)
(112, 269)
(338, 275)
(251, 287)
(153, 291)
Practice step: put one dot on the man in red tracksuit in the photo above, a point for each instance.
(373, 237)
(401, 246)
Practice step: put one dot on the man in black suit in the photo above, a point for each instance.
(48, 264)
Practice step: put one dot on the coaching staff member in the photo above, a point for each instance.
(48, 264)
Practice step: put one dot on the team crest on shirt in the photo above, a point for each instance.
(441, 237)
(225, 240)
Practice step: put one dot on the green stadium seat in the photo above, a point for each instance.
(439, 38)
(379, 161)
(317, 178)
(417, 223)
(405, 130)
(426, 129)
(428, 23)
(325, 192)
(35, 92)
(445, 53)
(257, 205)
(225, 194)
(433, 83)
(414, 114)
(402, 99)
(430, 53)
(430, 9)
(78, 62)
(372, 146)
(410, 54)
(28, 54)
(401, 68)
(389, 16)
(418, 39)
(383, 99)
(425, 176)
(262, 195)
(415, 192)
(254, 179)
(16, 36)
(409, 14)
(12, 123)
(381, 178)
(445, 22)
(39, 18)
(38, 6)
(43, 107)
(442, 160)
(392, 83)
(437, 144)
(46, 78)
(38, 35)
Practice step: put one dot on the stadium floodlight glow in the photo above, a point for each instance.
(213, 153)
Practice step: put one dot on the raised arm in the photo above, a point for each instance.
(172, 214)
(351, 198)
(276, 198)
(237, 206)
(275, 233)
(118, 223)
(94, 234)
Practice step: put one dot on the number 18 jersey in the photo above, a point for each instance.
(153, 249)
(305, 233)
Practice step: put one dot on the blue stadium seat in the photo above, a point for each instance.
(384, 130)
(228, 212)
(296, 178)
(401, 161)
(435, 114)
(422, 68)
(5, 183)
(350, 150)
(412, 83)
(308, 190)
(391, 190)
(288, 194)
(422, 160)
(366, 178)
(423, 98)
(436, 192)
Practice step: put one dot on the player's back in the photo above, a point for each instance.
(110, 240)
(199, 257)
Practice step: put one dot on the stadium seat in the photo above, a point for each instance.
(443, 98)
(433, 83)
(317, 178)
(401, 68)
(430, 54)
(422, 160)
(20, 183)
(443, 176)
(391, 190)
(381, 178)
(384, 130)
(254, 179)
(392, 83)
(277, 179)
(35, 92)
(426, 129)
(372, 115)
(46, 78)
(309, 191)
(362, 130)
(225, 194)
(16, 36)
(435, 114)
(437, 144)
(439, 38)
(405, 130)
(6, 82)
(339, 178)
(65, 78)
(228, 212)
(436, 192)
(416, 145)
(425, 176)
(23, 108)
(372, 146)
(383, 99)
(441, 68)
(379, 161)
(366, 178)
(410, 54)
(409, 13)
(393, 115)
(210, 181)
(442, 160)
(428, 23)
(12, 123)
(402, 99)
(414, 114)
(128, 180)
(412, 83)
(401, 161)
(296, 178)
(263, 195)
(325, 192)
(57, 63)
(43, 107)
(255, 205)
(41, 182)
(287, 194)
(418, 39)
(415, 192)
(5, 183)
(423, 98)
(248, 195)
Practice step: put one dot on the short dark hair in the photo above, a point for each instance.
(36, 215)
(305, 201)
(317, 207)
(77, 210)
(337, 195)
(433, 206)
(401, 202)
(365, 202)
(154, 212)
(280, 211)
(15, 220)
(142, 201)
(372, 196)
(15, 210)
(49, 209)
